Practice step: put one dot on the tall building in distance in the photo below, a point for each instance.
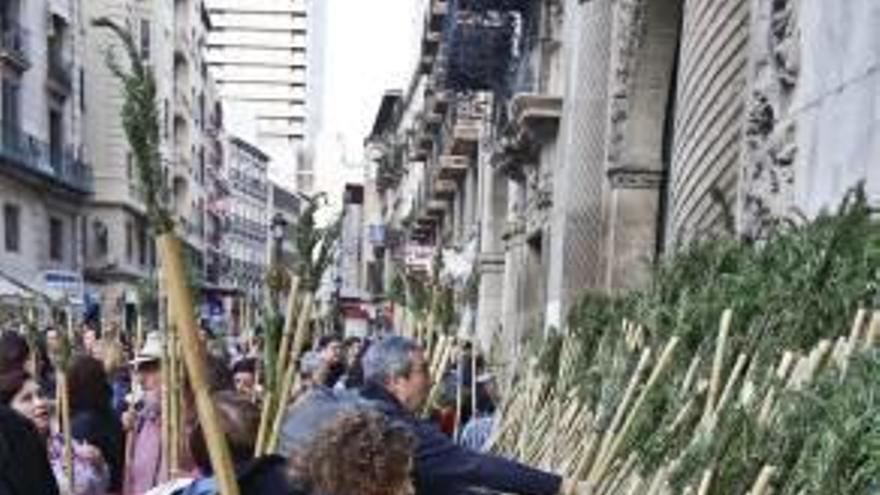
(259, 54)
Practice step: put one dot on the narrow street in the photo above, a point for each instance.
(439, 247)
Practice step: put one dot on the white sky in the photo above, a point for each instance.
(372, 46)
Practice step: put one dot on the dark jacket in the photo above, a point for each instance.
(104, 431)
(302, 420)
(442, 467)
(263, 476)
(24, 461)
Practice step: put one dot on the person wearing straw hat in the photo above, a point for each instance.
(143, 421)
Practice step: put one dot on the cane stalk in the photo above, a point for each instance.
(289, 326)
(64, 396)
(718, 363)
(173, 402)
(265, 420)
(287, 381)
(165, 405)
(141, 123)
(600, 467)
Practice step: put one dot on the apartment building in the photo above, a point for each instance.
(246, 240)
(45, 178)
(260, 55)
(172, 38)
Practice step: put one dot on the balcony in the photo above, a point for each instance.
(426, 64)
(60, 73)
(182, 104)
(464, 122)
(465, 135)
(430, 42)
(183, 45)
(136, 192)
(437, 208)
(444, 189)
(32, 158)
(425, 220)
(536, 114)
(438, 10)
(452, 167)
(436, 101)
(14, 47)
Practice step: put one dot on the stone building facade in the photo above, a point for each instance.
(45, 179)
(577, 143)
(121, 256)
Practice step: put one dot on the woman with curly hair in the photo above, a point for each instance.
(357, 453)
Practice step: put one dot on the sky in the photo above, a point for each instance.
(371, 46)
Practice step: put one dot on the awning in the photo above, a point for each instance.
(12, 290)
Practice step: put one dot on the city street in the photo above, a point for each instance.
(430, 247)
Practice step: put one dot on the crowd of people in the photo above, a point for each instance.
(353, 427)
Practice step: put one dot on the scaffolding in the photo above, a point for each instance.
(482, 42)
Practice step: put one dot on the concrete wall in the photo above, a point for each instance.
(36, 207)
(814, 84)
(838, 101)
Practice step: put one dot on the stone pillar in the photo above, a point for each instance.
(645, 35)
(632, 216)
(579, 177)
(514, 265)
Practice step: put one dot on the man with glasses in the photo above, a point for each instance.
(398, 383)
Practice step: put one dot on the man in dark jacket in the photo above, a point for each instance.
(398, 383)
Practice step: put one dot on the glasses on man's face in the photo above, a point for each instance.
(423, 367)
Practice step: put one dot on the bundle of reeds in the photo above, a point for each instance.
(742, 368)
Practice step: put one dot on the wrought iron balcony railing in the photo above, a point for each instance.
(60, 166)
(14, 45)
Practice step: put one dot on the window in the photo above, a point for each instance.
(56, 139)
(201, 166)
(165, 118)
(102, 238)
(82, 89)
(142, 245)
(11, 115)
(11, 227)
(129, 166)
(129, 242)
(145, 39)
(202, 111)
(152, 248)
(56, 239)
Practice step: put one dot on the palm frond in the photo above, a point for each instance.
(140, 121)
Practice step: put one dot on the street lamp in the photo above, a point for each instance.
(279, 230)
(277, 274)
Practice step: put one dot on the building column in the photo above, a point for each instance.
(631, 236)
(491, 261)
